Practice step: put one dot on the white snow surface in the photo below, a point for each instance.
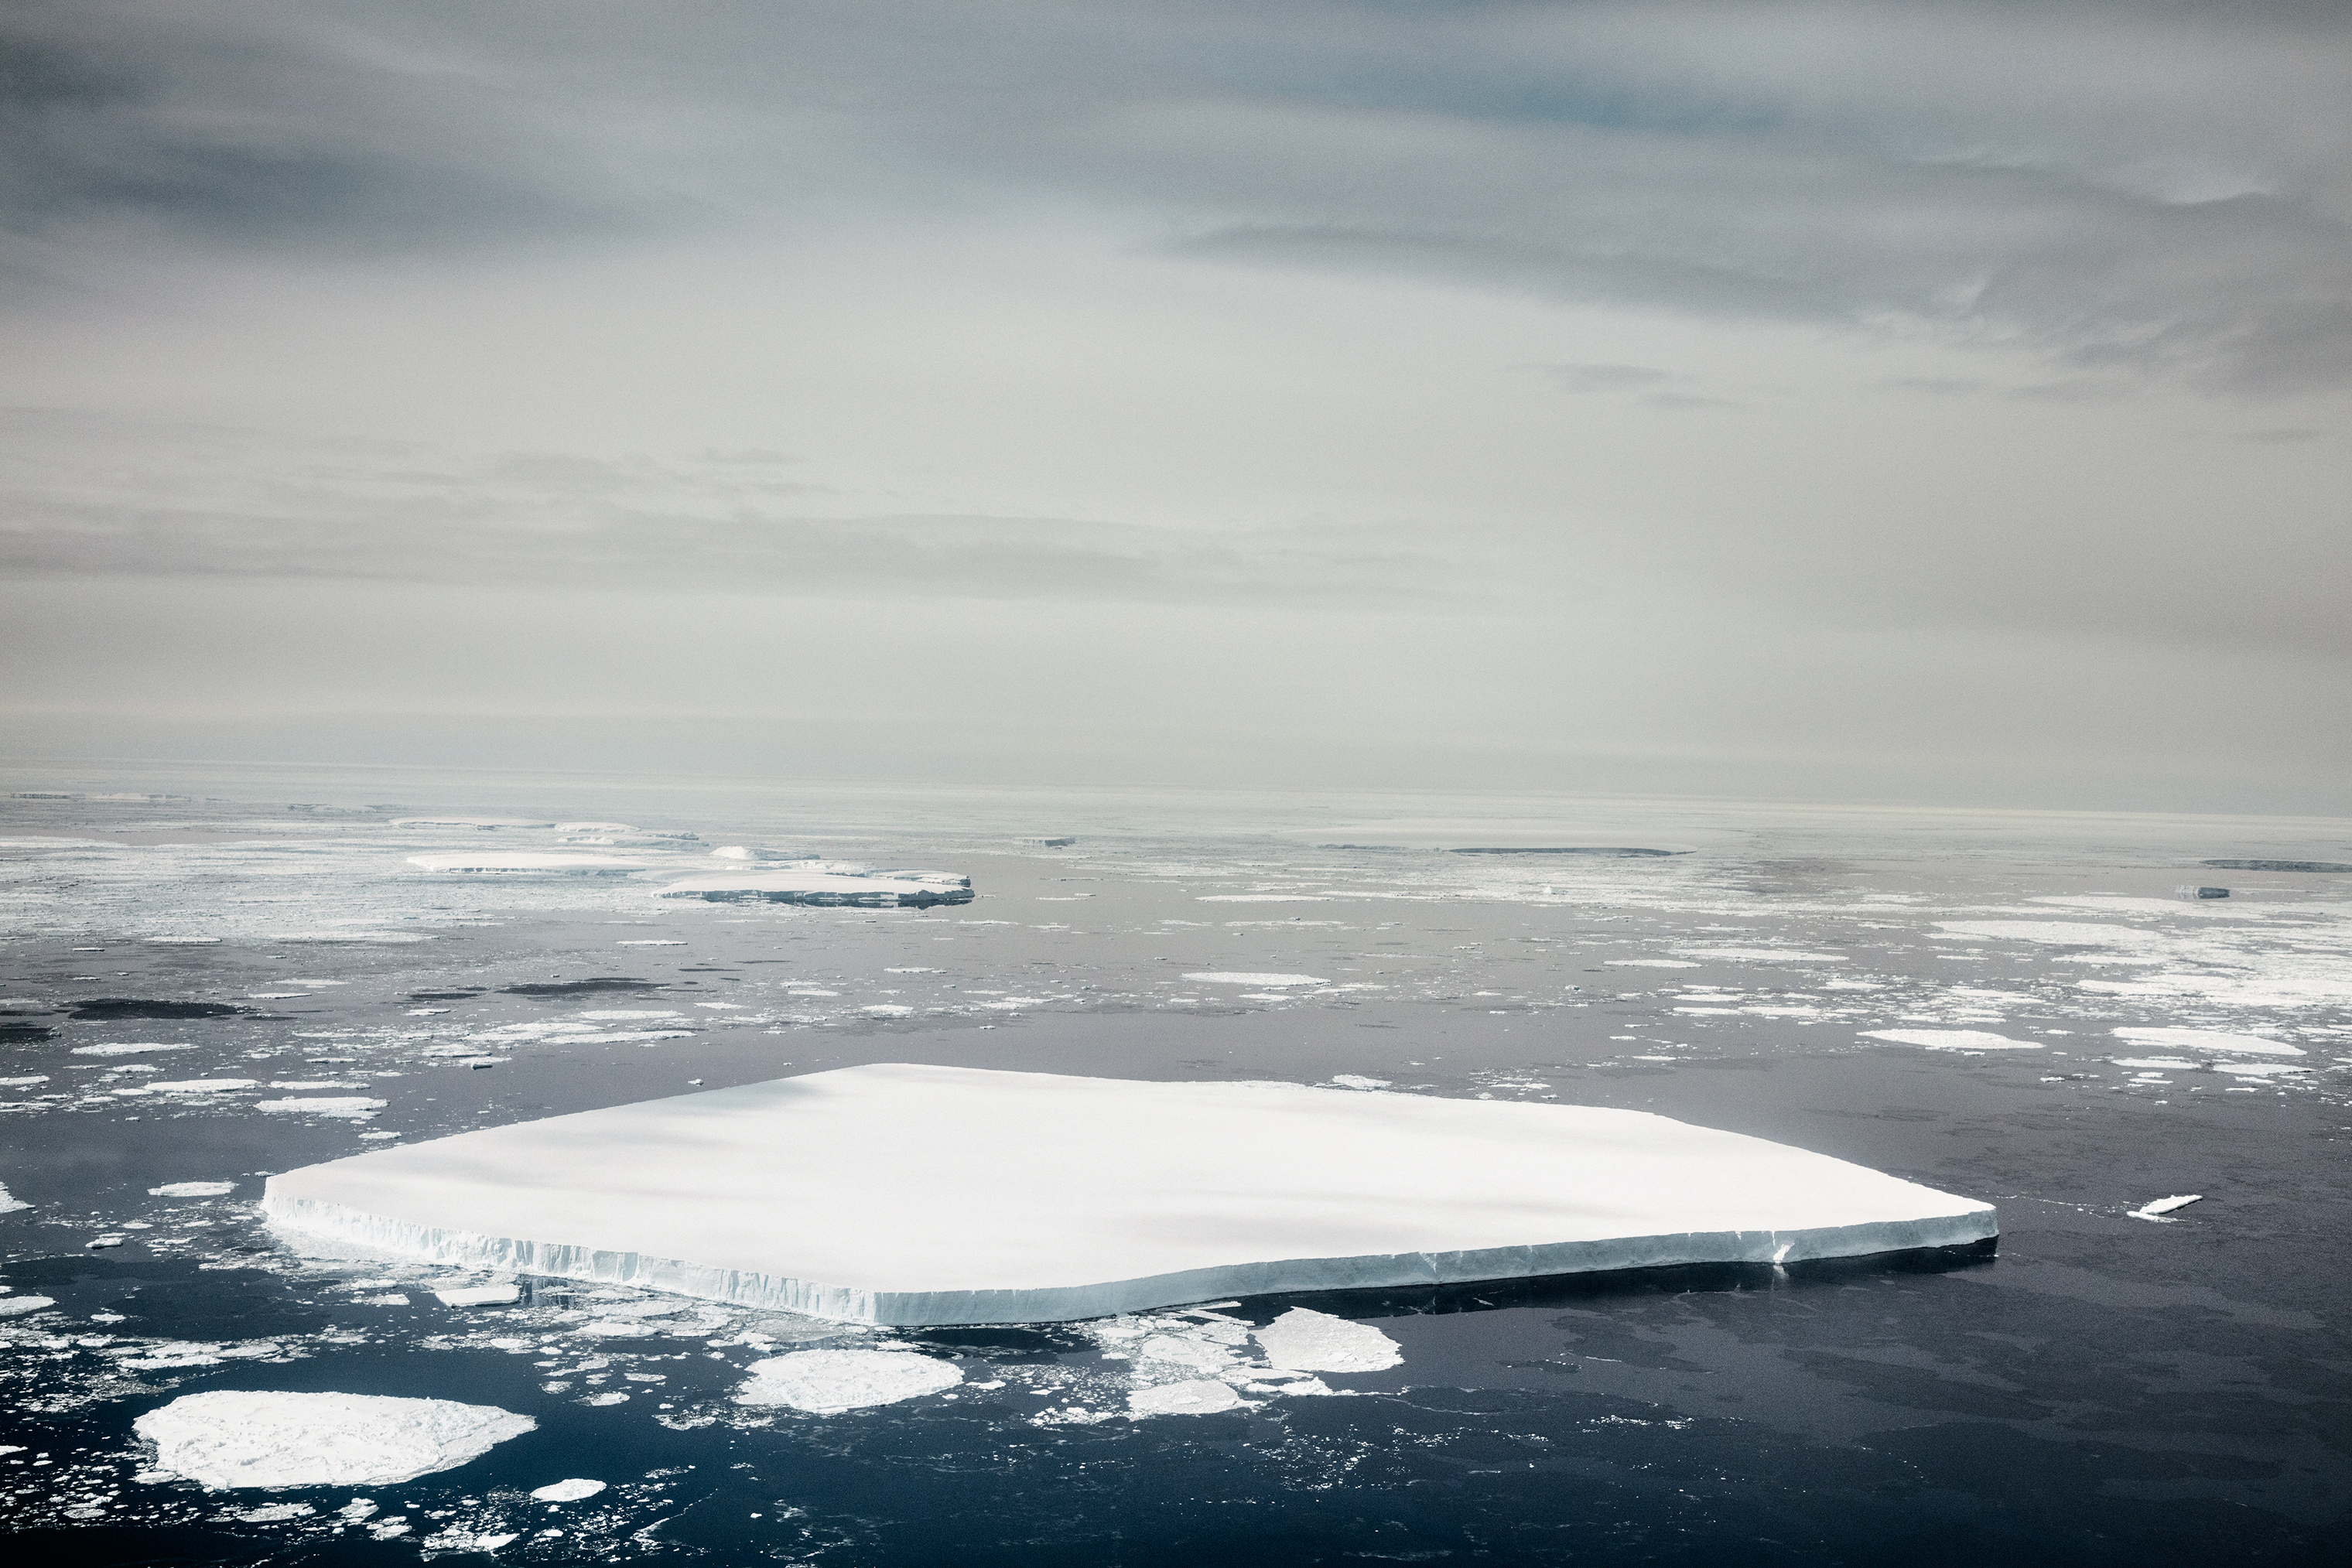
(2214, 1041)
(1305, 1340)
(232, 1439)
(848, 1195)
(827, 1382)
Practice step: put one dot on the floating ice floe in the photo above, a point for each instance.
(475, 1295)
(577, 866)
(2164, 1206)
(1304, 1341)
(228, 1439)
(484, 823)
(827, 884)
(9, 1202)
(192, 1189)
(1107, 1196)
(21, 1306)
(326, 1105)
(747, 852)
(572, 1491)
(1236, 977)
(2211, 1041)
(1949, 1040)
(827, 1382)
(202, 1085)
(126, 1050)
(1201, 1397)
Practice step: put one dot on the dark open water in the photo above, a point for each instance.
(2105, 1390)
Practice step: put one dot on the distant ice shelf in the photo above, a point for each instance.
(852, 1195)
(826, 884)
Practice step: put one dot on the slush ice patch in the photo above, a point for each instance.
(227, 1438)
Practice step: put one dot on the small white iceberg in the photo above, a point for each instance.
(193, 1188)
(2164, 1206)
(231, 1439)
(572, 1491)
(1198, 1398)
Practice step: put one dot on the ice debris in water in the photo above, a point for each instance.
(572, 1491)
(234, 1439)
(1304, 1341)
(2164, 1206)
(192, 1189)
(826, 1381)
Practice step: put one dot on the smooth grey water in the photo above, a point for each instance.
(2105, 1389)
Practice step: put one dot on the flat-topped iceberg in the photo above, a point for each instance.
(903, 1193)
(826, 884)
(495, 861)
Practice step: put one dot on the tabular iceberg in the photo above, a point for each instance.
(902, 1194)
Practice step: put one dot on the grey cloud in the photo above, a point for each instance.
(2139, 188)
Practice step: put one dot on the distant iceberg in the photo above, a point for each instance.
(827, 885)
(852, 1195)
(494, 862)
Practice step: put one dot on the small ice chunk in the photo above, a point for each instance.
(328, 1105)
(274, 1513)
(125, 1050)
(2166, 1205)
(572, 1491)
(202, 1085)
(613, 1328)
(826, 1381)
(9, 1202)
(1305, 1340)
(192, 1189)
(1201, 1398)
(234, 1439)
(1352, 1081)
(477, 1295)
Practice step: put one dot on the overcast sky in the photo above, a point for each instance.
(1941, 402)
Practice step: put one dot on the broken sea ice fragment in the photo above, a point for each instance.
(227, 1438)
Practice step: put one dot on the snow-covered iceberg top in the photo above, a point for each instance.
(825, 882)
(852, 1195)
